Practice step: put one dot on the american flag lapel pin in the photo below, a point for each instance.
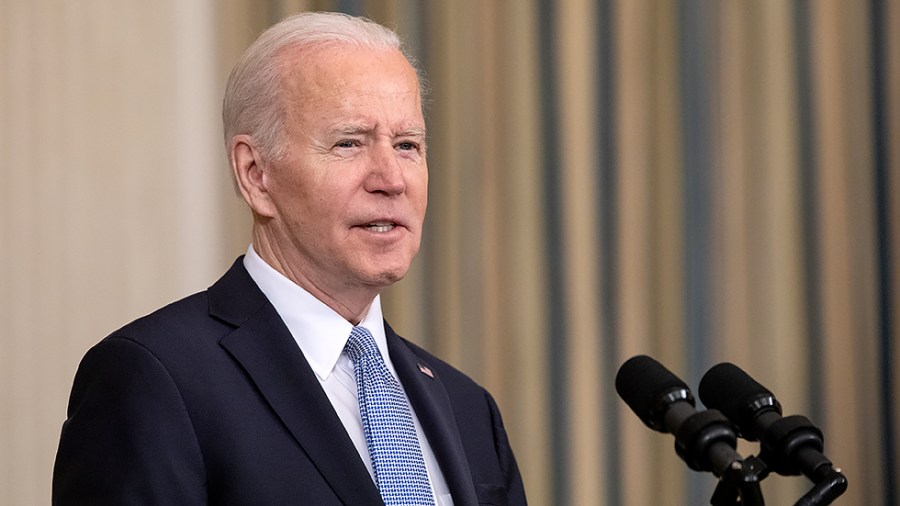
(424, 369)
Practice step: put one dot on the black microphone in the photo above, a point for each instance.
(706, 441)
(789, 445)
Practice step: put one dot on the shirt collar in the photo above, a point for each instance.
(320, 332)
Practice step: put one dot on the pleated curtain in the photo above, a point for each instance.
(700, 181)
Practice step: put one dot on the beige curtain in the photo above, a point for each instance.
(695, 180)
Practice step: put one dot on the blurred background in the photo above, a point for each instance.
(696, 180)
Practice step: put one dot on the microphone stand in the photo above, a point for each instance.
(826, 490)
(706, 441)
(739, 484)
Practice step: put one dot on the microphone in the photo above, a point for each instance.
(789, 445)
(706, 441)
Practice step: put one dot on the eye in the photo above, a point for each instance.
(347, 143)
(408, 146)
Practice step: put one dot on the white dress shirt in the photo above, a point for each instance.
(321, 334)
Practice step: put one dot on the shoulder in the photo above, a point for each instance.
(182, 323)
(452, 377)
(469, 399)
(201, 319)
(478, 423)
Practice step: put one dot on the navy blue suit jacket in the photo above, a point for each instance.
(210, 401)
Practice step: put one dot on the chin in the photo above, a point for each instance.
(386, 270)
(385, 277)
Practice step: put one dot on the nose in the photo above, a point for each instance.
(385, 171)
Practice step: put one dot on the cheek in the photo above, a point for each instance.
(332, 211)
(421, 191)
(322, 201)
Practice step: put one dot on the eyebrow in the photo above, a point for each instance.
(366, 129)
(351, 128)
(413, 132)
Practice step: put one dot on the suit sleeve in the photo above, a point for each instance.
(128, 438)
(515, 490)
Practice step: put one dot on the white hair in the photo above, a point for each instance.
(253, 103)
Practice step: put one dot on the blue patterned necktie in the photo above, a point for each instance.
(387, 421)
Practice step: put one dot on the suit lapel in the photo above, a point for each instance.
(263, 346)
(432, 406)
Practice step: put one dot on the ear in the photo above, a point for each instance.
(250, 174)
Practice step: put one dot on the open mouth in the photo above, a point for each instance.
(380, 226)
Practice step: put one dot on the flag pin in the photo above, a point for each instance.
(425, 370)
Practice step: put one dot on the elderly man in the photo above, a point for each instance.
(281, 384)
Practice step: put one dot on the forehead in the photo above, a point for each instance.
(344, 74)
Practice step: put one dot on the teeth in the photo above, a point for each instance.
(380, 227)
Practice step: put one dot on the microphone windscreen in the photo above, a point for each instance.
(642, 381)
(732, 391)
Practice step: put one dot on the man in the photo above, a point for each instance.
(259, 390)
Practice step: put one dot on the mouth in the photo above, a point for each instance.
(380, 226)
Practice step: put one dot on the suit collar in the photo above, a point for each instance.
(234, 298)
(318, 329)
(264, 347)
(432, 405)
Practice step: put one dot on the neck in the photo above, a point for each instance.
(351, 304)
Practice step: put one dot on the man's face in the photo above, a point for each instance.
(350, 195)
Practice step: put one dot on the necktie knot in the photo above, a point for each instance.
(361, 345)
